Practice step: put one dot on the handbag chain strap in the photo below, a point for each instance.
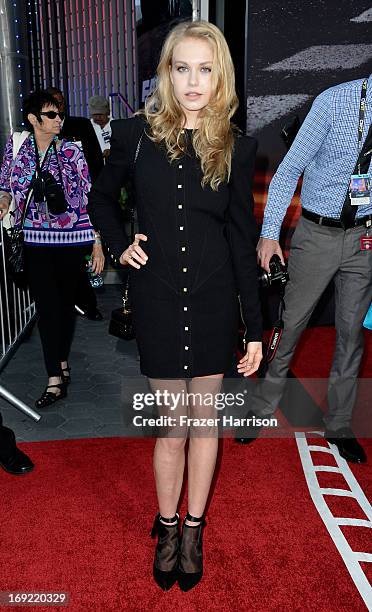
(138, 148)
(24, 212)
(59, 167)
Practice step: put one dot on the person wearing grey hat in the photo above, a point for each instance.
(99, 111)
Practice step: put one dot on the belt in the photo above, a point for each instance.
(329, 222)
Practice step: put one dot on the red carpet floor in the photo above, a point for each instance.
(313, 360)
(314, 353)
(81, 521)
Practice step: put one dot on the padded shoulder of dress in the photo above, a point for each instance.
(129, 129)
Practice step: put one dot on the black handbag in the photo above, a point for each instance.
(14, 249)
(121, 323)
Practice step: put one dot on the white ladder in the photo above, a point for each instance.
(351, 558)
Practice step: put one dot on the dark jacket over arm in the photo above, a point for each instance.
(80, 128)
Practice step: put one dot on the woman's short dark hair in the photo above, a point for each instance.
(35, 103)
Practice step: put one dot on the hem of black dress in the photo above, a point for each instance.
(183, 376)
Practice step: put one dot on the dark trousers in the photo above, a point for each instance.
(53, 275)
(7, 442)
(85, 297)
(318, 255)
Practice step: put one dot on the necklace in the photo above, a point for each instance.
(40, 152)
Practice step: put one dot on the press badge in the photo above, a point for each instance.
(360, 189)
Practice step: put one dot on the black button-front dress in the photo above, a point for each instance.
(201, 247)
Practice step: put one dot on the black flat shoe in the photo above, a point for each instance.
(18, 463)
(48, 398)
(251, 432)
(348, 446)
(166, 552)
(190, 565)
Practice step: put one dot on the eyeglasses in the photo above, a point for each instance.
(53, 115)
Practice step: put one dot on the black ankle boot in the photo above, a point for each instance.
(190, 567)
(166, 552)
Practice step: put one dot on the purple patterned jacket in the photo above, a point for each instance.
(72, 228)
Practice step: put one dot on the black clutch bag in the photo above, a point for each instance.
(14, 255)
(14, 249)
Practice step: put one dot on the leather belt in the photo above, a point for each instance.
(329, 222)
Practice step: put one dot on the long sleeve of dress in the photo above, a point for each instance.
(103, 200)
(244, 234)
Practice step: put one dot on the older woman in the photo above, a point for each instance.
(57, 230)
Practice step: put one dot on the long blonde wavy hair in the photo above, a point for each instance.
(214, 139)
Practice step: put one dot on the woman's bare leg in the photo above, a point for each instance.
(203, 445)
(169, 453)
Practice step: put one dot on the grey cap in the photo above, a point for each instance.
(99, 105)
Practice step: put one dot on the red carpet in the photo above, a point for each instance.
(314, 353)
(81, 521)
(313, 360)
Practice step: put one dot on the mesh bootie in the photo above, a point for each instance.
(190, 567)
(166, 552)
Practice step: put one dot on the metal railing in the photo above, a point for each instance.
(17, 314)
(123, 110)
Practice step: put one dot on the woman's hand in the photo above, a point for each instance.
(134, 255)
(98, 259)
(251, 360)
(4, 206)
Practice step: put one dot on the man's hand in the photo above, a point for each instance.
(266, 248)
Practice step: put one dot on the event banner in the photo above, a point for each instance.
(154, 21)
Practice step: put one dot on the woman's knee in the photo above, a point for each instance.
(171, 445)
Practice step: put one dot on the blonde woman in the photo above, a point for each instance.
(193, 258)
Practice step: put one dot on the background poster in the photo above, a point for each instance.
(154, 21)
(295, 51)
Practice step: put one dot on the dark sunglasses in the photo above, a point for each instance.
(53, 115)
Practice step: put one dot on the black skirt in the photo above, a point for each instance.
(178, 343)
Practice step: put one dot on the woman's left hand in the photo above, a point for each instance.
(251, 360)
(98, 259)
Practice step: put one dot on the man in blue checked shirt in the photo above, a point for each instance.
(332, 241)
